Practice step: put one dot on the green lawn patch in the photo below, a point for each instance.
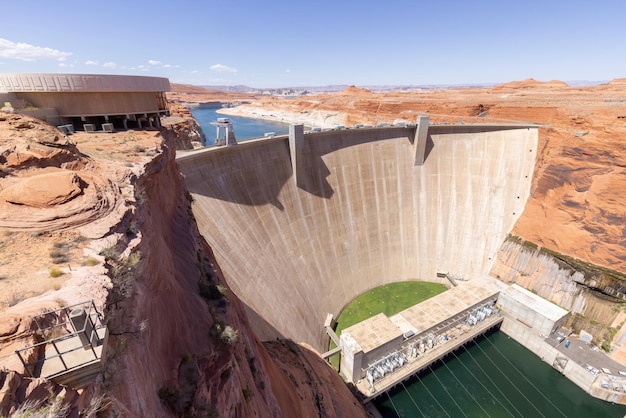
(388, 299)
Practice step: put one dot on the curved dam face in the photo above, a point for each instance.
(301, 225)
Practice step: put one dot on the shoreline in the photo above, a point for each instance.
(314, 118)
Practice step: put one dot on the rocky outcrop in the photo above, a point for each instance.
(181, 128)
(594, 295)
(20, 396)
(44, 190)
(47, 184)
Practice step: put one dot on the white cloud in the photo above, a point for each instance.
(64, 65)
(167, 66)
(109, 65)
(223, 68)
(195, 72)
(287, 70)
(154, 62)
(27, 52)
(90, 62)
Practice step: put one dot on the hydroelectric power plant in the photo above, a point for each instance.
(301, 224)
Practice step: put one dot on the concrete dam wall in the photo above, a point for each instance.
(360, 214)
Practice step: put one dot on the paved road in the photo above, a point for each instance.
(584, 353)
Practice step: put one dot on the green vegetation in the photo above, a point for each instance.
(247, 394)
(169, 396)
(388, 299)
(123, 271)
(55, 272)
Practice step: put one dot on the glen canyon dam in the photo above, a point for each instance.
(301, 224)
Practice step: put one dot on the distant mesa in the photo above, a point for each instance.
(617, 82)
(530, 83)
(356, 90)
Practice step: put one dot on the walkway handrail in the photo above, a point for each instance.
(96, 325)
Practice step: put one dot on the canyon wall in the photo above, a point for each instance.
(362, 215)
(180, 339)
(594, 295)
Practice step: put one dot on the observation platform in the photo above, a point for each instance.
(71, 358)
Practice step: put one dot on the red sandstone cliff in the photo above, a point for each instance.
(180, 343)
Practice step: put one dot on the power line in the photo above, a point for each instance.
(413, 400)
(528, 380)
(492, 382)
(465, 387)
(509, 380)
(448, 393)
(431, 395)
(392, 404)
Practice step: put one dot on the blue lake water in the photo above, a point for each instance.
(494, 377)
(245, 128)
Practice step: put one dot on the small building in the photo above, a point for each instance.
(87, 101)
(371, 339)
(532, 310)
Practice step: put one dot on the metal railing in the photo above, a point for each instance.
(87, 335)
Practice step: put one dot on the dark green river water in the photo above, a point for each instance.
(494, 377)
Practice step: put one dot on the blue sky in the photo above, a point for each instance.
(314, 43)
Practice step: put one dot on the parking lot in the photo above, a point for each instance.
(587, 355)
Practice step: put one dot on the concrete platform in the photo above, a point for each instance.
(76, 366)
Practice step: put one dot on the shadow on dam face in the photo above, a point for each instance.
(361, 214)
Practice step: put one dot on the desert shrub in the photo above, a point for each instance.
(210, 291)
(139, 148)
(123, 273)
(169, 396)
(55, 272)
(53, 408)
(58, 256)
(247, 394)
(110, 253)
(229, 335)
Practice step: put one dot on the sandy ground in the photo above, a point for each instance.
(34, 242)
